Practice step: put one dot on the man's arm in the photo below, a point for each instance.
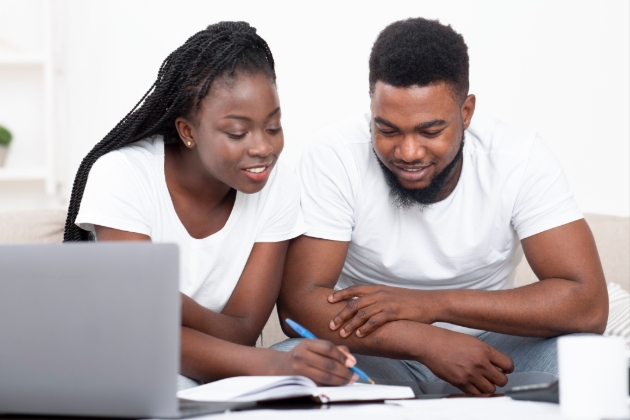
(570, 298)
(311, 272)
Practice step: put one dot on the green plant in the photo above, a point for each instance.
(5, 136)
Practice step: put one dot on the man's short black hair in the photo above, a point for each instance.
(420, 52)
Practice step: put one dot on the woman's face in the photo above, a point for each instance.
(236, 131)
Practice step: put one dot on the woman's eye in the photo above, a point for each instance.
(274, 130)
(236, 136)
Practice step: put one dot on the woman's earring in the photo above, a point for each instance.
(190, 143)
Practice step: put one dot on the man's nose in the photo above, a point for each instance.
(410, 149)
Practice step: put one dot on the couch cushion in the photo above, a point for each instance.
(32, 227)
(619, 313)
(612, 237)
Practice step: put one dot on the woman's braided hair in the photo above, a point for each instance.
(183, 80)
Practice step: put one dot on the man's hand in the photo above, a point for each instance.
(319, 360)
(466, 362)
(378, 305)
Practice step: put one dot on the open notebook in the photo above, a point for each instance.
(263, 388)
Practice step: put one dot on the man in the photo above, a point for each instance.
(416, 216)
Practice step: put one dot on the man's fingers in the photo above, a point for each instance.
(502, 361)
(362, 316)
(351, 309)
(469, 389)
(375, 321)
(484, 385)
(348, 293)
(495, 376)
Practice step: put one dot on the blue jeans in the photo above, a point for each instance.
(529, 355)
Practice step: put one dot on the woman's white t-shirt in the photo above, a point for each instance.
(126, 190)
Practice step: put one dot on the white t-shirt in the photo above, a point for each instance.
(511, 187)
(126, 190)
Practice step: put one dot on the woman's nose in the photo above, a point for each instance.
(260, 146)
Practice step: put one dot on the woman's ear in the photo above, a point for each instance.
(185, 130)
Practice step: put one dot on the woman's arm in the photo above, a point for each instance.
(207, 358)
(252, 300)
(251, 303)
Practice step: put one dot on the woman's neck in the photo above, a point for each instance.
(185, 175)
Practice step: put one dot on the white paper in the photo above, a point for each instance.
(261, 388)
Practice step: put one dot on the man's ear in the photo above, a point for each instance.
(186, 131)
(468, 109)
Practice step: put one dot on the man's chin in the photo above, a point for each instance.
(413, 186)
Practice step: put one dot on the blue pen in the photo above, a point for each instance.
(307, 334)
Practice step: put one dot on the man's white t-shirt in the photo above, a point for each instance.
(126, 190)
(511, 187)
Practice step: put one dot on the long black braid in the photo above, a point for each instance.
(183, 80)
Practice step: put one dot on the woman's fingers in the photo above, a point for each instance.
(350, 359)
(328, 363)
(324, 378)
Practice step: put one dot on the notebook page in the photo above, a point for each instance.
(249, 388)
(363, 392)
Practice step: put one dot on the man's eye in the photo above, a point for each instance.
(236, 136)
(387, 132)
(432, 133)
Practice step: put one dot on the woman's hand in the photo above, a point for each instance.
(319, 360)
(378, 305)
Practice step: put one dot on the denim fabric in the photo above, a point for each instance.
(529, 354)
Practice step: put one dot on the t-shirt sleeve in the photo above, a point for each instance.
(113, 197)
(544, 200)
(326, 174)
(284, 219)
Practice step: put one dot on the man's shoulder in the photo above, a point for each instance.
(495, 137)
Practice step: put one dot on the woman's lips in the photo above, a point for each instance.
(257, 174)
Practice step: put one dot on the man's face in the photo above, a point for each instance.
(418, 131)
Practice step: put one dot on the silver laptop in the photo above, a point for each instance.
(91, 330)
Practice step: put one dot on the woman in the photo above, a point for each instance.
(196, 163)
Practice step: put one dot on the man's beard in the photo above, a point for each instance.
(421, 198)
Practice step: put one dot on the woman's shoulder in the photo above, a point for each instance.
(133, 157)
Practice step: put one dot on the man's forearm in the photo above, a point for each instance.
(397, 340)
(544, 309)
